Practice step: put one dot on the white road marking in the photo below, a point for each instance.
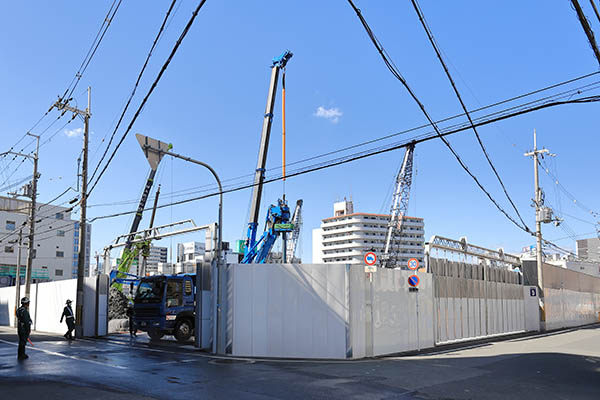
(175, 362)
(53, 353)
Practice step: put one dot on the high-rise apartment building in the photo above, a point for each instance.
(347, 236)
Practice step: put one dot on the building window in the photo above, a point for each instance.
(60, 216)
(190, 257)
(58, 272)
(60, 254)
(9, 249)
(60, 233)
(10, 225)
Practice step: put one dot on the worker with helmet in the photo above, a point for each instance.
(23, 327)
(70, 319)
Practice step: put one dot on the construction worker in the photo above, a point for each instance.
(70, 319)
(23, 327)
(132, 329)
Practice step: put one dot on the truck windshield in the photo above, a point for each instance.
(150, 291)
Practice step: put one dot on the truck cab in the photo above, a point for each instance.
(165, 305)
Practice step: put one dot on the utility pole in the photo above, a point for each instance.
(538, 201)
(31, 192)
(31, 249)
(18, 275)
(86, 114)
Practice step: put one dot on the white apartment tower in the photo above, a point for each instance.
(347, 236)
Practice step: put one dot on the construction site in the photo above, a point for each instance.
(205, 298)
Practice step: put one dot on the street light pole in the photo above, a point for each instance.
(158, 152)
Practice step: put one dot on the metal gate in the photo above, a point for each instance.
(477, 292)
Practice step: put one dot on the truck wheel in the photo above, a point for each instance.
(183, 330)
(155, 334)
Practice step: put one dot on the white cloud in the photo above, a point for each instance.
(74, 132)
(332, 114)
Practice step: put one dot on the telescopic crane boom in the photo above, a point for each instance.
(278, 216)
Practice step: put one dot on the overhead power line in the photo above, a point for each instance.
(585, 24)
(135, 86)
(579, 204)
(396, 73)
(462, 103)
(362, 155)
(149, 93)
(110, 15)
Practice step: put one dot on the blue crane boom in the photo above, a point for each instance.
(278, 216)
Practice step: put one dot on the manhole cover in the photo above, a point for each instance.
(225, 361)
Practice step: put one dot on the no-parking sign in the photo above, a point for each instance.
(413, 281)
(370, 260)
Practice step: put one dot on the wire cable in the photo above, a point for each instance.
(358, 156)
(154, 84)
(396, 73)
(135, 86)
(462, 103)
(110, 15)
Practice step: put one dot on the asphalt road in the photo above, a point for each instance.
(564, 365)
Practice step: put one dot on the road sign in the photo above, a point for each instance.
(370, 258)
(413, 264)
(370, 268)
(413, 280)
(532, 292)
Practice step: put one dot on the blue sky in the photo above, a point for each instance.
(210, 103)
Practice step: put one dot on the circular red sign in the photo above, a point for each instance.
(413, 264)
(413, 280)
(370, 258)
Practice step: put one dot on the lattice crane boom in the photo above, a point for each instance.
(292, 242)
(392, 249)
